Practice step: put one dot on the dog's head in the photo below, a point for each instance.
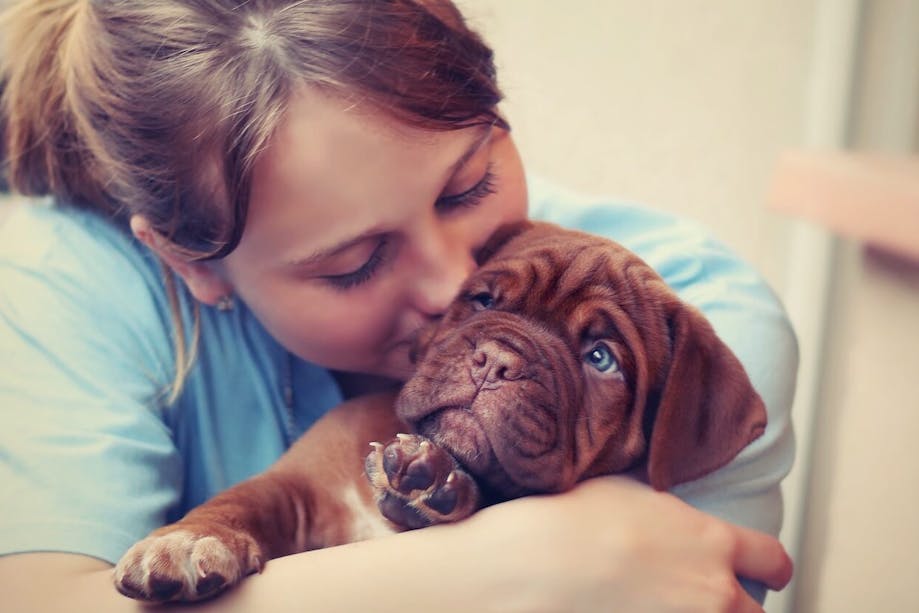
(565, 356)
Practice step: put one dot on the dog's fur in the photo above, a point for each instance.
(564, 357)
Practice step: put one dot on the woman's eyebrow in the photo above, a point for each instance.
(321, 254)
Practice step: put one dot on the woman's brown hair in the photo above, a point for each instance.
(162, 108)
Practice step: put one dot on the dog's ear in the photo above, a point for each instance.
(708, 410)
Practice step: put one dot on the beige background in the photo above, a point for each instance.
(683, 105)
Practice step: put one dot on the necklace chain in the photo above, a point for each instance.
(287, 396)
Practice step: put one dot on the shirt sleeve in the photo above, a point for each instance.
(745, 314)
(86, 461)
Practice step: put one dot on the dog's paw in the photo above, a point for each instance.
(418, 484)
(185, 565)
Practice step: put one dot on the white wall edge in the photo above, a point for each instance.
(811, 255)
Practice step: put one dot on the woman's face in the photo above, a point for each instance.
(361, 229)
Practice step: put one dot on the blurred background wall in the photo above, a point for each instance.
(680, 104)
(686, 105)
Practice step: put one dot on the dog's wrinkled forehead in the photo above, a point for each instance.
(547, 269)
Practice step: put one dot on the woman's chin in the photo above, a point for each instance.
(400, 373)
(394, 371)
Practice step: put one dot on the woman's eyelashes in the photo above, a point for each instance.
(471, 197)
(363, 274)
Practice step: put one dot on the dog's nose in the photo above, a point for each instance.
(493, 361)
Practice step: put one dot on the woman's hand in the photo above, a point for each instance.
(613, 543)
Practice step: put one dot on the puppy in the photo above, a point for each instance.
(564, 357)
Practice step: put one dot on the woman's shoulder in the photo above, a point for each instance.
(639, 227)
(76, 285)
(43, 235)
(81, 262)
(691, 260)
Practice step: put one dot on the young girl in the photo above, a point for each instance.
(252, 203)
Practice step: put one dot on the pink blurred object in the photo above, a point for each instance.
(870, 197)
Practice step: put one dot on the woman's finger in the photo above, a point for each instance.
(747, 604)
(762, 558)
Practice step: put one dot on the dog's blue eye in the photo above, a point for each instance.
(483, 301)
(601, 357)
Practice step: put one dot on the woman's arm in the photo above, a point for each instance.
(611, 541)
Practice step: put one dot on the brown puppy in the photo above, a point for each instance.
(564, 357)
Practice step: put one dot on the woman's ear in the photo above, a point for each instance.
(203, 281)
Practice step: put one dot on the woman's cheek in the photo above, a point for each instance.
(361, 322)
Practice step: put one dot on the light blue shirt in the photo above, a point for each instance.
(92, 458)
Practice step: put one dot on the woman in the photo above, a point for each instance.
(314, 178)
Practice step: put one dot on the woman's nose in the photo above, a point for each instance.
(445, 263)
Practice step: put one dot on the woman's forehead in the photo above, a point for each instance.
(334, 169)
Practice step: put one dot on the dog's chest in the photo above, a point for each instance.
(366, 521)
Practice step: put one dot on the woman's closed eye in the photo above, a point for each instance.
(363, 273)
(470, 197)
(445, 204)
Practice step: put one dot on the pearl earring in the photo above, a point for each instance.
(225, 303)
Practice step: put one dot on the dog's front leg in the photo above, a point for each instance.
(314, 496)
(216, 544)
